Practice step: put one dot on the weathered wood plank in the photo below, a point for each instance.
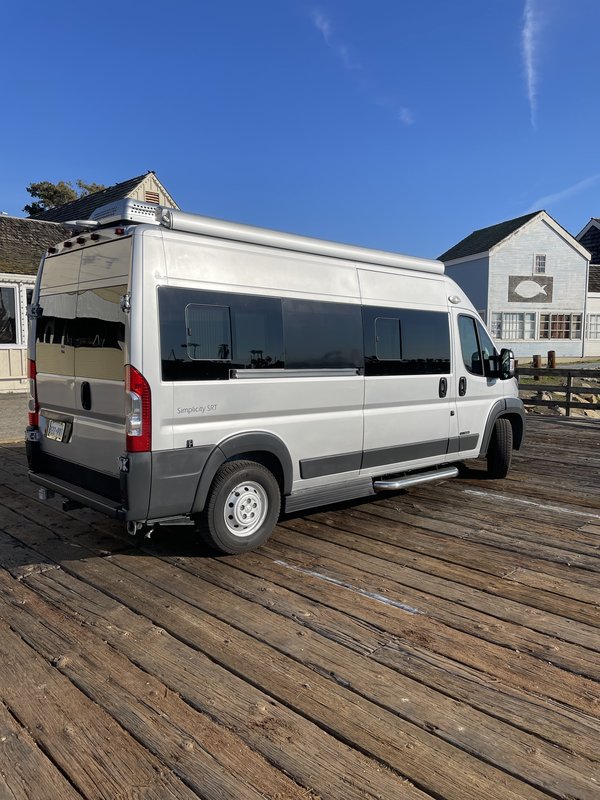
(236, 575)
(400, 745)
(86, 744)
(522, 670)
(496, 618)
(210, 760)
(25, 772)
(482, 563)
(305, 752)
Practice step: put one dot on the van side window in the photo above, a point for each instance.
(406, 341)
(205, 334)
(322, 335)
(474, 359)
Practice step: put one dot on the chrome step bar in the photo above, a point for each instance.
(415, 480)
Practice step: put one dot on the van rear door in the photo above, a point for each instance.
(80, 357)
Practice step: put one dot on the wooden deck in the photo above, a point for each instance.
(438, 643)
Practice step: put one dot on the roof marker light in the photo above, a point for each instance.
(68, 244)
(52, 250)
(95, 236)
(81, 240)
(119, 231)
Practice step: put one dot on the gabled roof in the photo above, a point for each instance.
(83, 207)
(480, 242)
(485, 238)
(594, 278)
(24, 241)
(590, 238)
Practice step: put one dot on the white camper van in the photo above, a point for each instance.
(188, 369)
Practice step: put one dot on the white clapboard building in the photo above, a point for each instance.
(528, 278)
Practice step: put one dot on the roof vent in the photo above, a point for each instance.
(126, 210)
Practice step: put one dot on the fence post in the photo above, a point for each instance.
(568, 393)
(537, 364)
(551, 359)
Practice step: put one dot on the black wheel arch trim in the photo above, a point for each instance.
(512, 408)
(241, 444)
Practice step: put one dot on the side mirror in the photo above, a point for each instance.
(507, 364)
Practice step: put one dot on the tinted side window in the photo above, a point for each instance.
(406, 341)
(322, 335)
(469, 345)
(205, 334)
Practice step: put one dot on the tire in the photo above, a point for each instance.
(500, 448)
(242, 508)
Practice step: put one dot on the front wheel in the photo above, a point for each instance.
(499, 452)
(242, 507)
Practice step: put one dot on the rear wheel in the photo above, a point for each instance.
(499, 452)
(242, 507)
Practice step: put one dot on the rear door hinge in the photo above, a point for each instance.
(126, 302)
(123, 464)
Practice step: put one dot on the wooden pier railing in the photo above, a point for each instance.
(562, 381)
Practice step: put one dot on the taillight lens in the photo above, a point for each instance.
(34, 417)
(138, 411)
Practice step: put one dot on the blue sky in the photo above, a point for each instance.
(399, 124)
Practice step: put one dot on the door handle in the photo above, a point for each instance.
(86, 396)
(462, 387)
(443, 387)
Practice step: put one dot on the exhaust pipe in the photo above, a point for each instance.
(415, 480)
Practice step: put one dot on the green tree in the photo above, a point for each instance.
(49, 195)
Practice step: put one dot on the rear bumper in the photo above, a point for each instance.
(83, 496)
(123, 496)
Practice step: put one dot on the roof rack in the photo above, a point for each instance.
(129, 210)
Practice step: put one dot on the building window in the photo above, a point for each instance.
(8, 315)
(593, 326)
(512, 325)
(539, 264)
(560, 326)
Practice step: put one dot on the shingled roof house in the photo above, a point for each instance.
(528, 279)
(22, 244)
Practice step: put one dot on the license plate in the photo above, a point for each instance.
(55, 430)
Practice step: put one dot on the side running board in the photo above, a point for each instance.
(415, 480)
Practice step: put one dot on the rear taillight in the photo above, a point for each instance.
(34, 417)
(138, 411)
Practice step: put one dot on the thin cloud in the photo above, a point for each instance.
(405, 116)
(322, 22)
(556, 197)
(530, 33)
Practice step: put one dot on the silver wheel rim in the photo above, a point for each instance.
(245, 509)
